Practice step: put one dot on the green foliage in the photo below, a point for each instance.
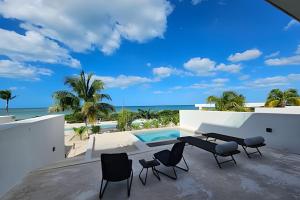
(80, 131)
(125, 120)
(146, 114)
(147, 124)
(279, 98)
(229, 101)
(7, 96)
(95, 129)
(76, 117)
(86, 89)
(155, 123)
(135, 126)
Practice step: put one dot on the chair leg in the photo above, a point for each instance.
(143, 181)
(102, 191)
(233, 159)
(246, 152)
(186, 165)
(129, 183)
(167, 175)
(259, 151)
(155, 173)
(218, 161)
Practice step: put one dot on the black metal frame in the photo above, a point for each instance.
(129, 183)
(220, 163)
(174, 171)
(154, 171)
(248, 154)
(244, 147)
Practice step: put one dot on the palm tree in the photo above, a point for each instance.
(278, 98)
(87, 89)
(229, 101)
(80, 131)
(7, 96)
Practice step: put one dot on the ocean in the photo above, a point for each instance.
(25, 113)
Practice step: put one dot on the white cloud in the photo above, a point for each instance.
(246, 55)
(292, 60)
(207, 67)
(274, 54)
(274, 81)
(201, 66)
(33, 47)
(13, 69)
(220, 80)
(162, 72)
(86, 25)
(148, 64)
(244, 77)
(196, 2)
(291, 24)
(231, 68)
(123, 81)
(298, 49)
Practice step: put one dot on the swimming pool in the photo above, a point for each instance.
(103, 126)
(159, 135)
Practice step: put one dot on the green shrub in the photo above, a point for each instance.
(147, 124)
(76, 117)
(80, 131)
(95, 129)
(125, 119)
(155, 123)
(135, 126)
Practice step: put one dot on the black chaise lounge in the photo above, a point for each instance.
(116, 167)
(240, 141)
(210, 147)
(172, 159)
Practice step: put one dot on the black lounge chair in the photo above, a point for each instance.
(172, 159)
(210, 147)
(240, 141)
(115, 168)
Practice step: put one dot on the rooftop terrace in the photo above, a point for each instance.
(276, 175)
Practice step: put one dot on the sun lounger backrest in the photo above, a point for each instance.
(226, 138)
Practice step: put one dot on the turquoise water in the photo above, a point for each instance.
(103, 126)
(158, 135)
(25, 113)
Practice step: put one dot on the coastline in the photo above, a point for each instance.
(25, 113)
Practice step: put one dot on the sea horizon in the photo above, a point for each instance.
(25, 113)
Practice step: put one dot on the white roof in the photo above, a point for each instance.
(212, 105)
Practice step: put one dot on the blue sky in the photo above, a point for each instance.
(148, 52)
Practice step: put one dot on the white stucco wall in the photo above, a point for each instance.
(287, 110)
(6, 119)
(27, 145)
(285, 134)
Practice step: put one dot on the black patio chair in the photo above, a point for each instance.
(115, 168)
(172, 159)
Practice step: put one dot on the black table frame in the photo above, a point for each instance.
(154, 171)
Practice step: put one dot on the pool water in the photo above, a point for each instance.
(158, 135)
(103, 126)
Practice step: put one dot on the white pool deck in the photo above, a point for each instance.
(276, 175)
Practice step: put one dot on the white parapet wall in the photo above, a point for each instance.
(6, 119)
(285, 127)
(28, 145)
(286, 110)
